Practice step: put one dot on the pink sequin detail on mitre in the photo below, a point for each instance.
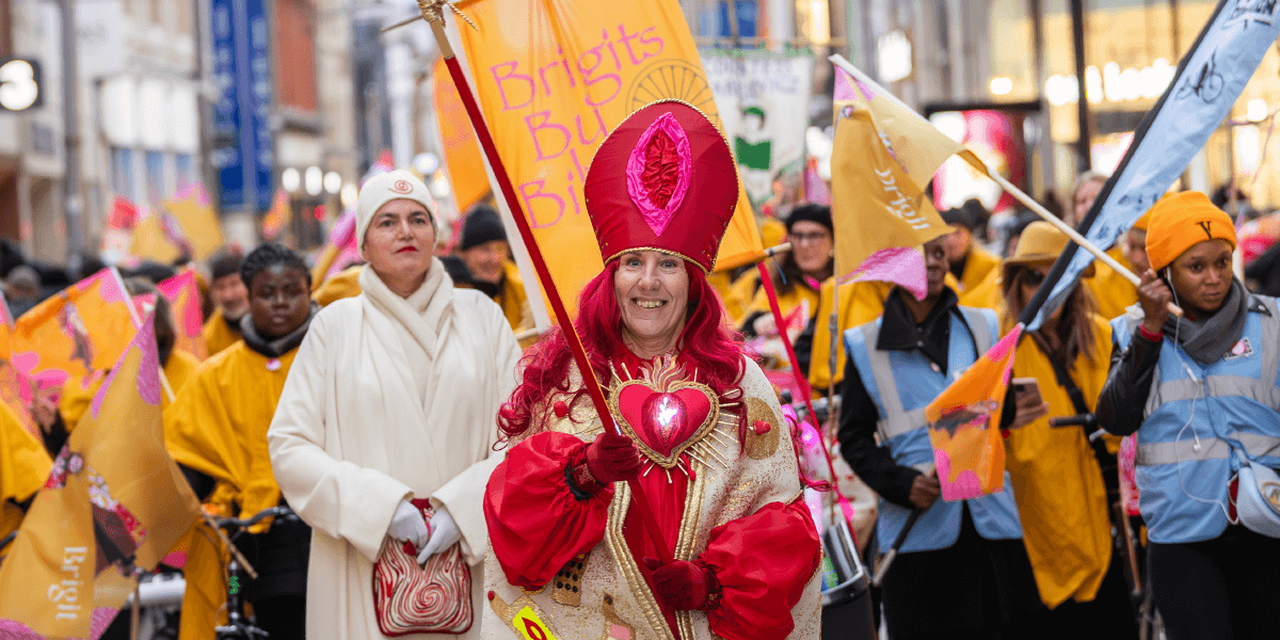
(641, 172)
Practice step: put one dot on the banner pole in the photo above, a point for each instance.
(1075, 236)
(433, 13)
(802, 385)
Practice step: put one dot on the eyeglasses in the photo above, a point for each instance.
(1033, 278)
(802, 238)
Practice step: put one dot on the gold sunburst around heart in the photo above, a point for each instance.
(666, 377)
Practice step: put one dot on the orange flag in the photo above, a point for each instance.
(461, 150)
(278, 216)
(82, 329)
(114, 504)
(553, 78)
(964, 425)
(183, 293)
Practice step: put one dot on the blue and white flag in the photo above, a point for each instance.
(1209, 79)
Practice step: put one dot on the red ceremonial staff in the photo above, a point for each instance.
(433, 13)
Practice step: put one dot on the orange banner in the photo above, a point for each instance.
(964, 425)
(114, 504)
(82, 329)
(462, 157)
(553, 78)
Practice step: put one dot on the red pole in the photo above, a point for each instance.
(544, 277)
(767, 282)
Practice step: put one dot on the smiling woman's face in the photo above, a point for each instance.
(400, 240)
(652, 289)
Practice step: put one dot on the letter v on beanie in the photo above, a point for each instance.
(1182, 221)
(381, 189)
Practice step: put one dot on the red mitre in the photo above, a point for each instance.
(664, 180)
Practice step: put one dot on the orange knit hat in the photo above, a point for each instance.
(1182, 221)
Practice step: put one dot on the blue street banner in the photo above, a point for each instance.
(244, 146)
(1208, 81)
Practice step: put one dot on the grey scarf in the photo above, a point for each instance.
(1207, 340)
(274, 348)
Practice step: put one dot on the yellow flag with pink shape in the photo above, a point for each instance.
(113, 506)
(183, 293)
(964, 425)
(82, 329)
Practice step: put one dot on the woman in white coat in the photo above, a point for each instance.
(392, 397)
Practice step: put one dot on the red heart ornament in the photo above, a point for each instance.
(666, 422)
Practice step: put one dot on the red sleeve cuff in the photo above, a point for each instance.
(1154, 337)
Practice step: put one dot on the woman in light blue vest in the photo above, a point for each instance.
(963, 571)
(1201, 392)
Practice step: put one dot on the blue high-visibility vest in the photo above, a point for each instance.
(902, 384)
(1201, 421)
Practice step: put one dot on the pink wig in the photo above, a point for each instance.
(708, 346)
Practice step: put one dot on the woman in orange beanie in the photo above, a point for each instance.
(1201, 392)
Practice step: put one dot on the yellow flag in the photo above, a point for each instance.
(80, 330)
(186, 223)
(875, 206)
(553, 77)
(915, 143)
(115, 503)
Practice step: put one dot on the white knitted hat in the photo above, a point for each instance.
(381, 189)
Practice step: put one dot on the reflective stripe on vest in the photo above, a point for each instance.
(1262, 389)
(897, 420)
(1184, 450)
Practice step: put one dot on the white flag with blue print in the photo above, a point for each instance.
(1209, 80)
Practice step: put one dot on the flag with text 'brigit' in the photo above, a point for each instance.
(879, 212)
(964, 424)
(82, 329)
(553, 78)
(1209, 79)
(183, 293)
(113, 506)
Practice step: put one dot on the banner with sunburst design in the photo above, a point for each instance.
(553, 79)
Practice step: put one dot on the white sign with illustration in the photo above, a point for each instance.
(763, 99)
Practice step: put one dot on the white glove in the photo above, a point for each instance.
(408, 524)
(444, 533)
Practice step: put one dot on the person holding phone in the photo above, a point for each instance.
(962, 570)
(1058, 474)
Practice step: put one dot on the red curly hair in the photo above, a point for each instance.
(708, 346)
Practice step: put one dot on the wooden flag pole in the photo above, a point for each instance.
(1072, 233)
(433, 13)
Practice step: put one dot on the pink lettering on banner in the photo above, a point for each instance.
(511, 75)
(565, 135)
(528, 199)
(626, 39)
(599, 131)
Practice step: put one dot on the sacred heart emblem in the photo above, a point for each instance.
(665, 421)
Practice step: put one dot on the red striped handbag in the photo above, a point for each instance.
(409, 598)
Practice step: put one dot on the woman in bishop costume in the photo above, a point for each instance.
(702, 430)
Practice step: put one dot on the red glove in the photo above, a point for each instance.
(611, 458)
(684, 585)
